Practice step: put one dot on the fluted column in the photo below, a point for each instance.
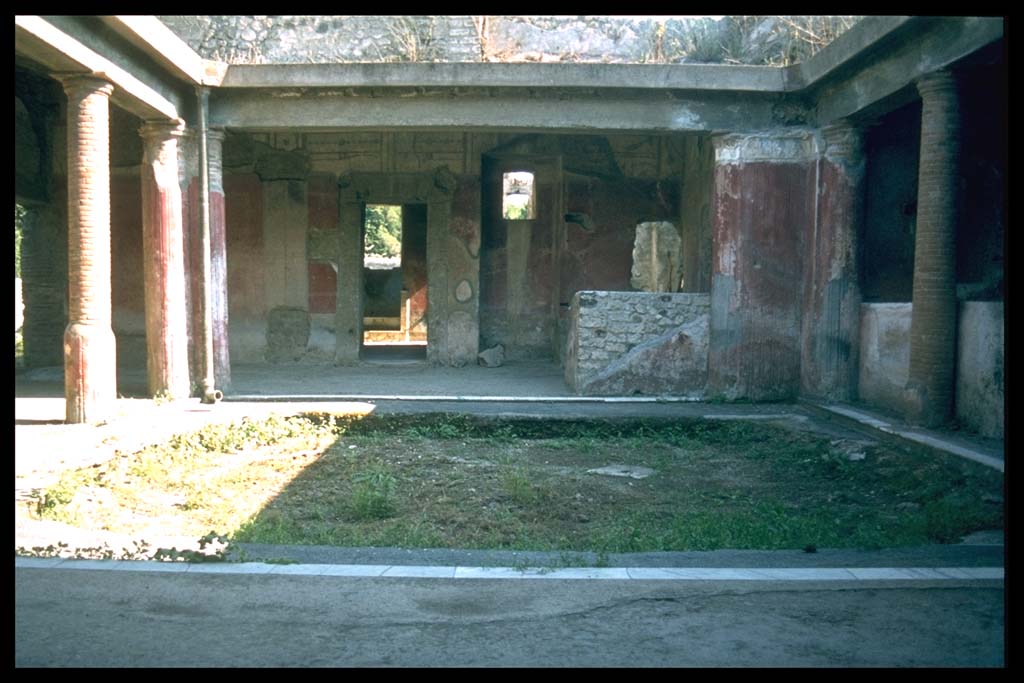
(218, 262)
(831, 315)
(90, 364)
(164, 261)
(933, 330)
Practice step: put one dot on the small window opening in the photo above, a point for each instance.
(518, 196)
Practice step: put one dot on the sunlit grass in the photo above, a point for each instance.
(445, 481)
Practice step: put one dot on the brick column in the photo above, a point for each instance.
(90, 365)
(218, 262)
(931, 383)
(831, 313)
(164, 261)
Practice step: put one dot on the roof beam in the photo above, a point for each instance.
(59, 52)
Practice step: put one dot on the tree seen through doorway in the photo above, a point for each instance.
(383, 231)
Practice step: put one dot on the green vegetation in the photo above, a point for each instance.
(517, 212)
(373, 491)
(455, 481)
(19, 233)
(749, 39)
(383, 230)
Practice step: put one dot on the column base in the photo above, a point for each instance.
(90, 372)
(922, 410)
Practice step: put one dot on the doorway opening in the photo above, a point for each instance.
(394, 282)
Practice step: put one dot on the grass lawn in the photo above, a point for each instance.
(457, 482)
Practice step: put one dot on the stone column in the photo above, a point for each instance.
(831, 312)
(933, 329)
(90, 364)
(218, 261)
(188, 182)
(348, 314)
(164, 261)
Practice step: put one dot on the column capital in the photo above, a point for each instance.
(160, 131)
(84, 84)
(793, 145)
(936, 82)
(844, 141)
(215, 134)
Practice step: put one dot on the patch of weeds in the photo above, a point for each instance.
(270, 528)
(373, 491)
(53, 502)
(950, 518)
(279, 560)
(213, 547)
(234, 437)
(504, 434)
(139, 551)
(163, 397)
(517, 484)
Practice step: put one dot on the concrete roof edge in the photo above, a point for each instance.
(477, 74)
(67, 49)
(154, 38)
(848, 46)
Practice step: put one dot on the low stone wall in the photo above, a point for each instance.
(885, 362)
(624, 343)
(979, 385)
(884, 355)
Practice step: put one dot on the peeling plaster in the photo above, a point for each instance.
(789, 147)
(686, 119)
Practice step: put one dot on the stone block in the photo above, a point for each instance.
(603, 350)
(885, 354)
(493, 357)
(657, 258)
(674, 363)
(980, 385)
(287, 334)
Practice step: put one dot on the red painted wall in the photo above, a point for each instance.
(243, 199)
(414, 259)
(761, 212)
(323, 287)
(126, 245)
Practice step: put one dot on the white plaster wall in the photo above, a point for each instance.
(247, 340)
(884, 354)
(979, 387)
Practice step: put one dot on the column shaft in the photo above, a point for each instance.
(164, 262)
(218, 262)
(763, 194)
(831, 315)
(931, 384)
(90, 365)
